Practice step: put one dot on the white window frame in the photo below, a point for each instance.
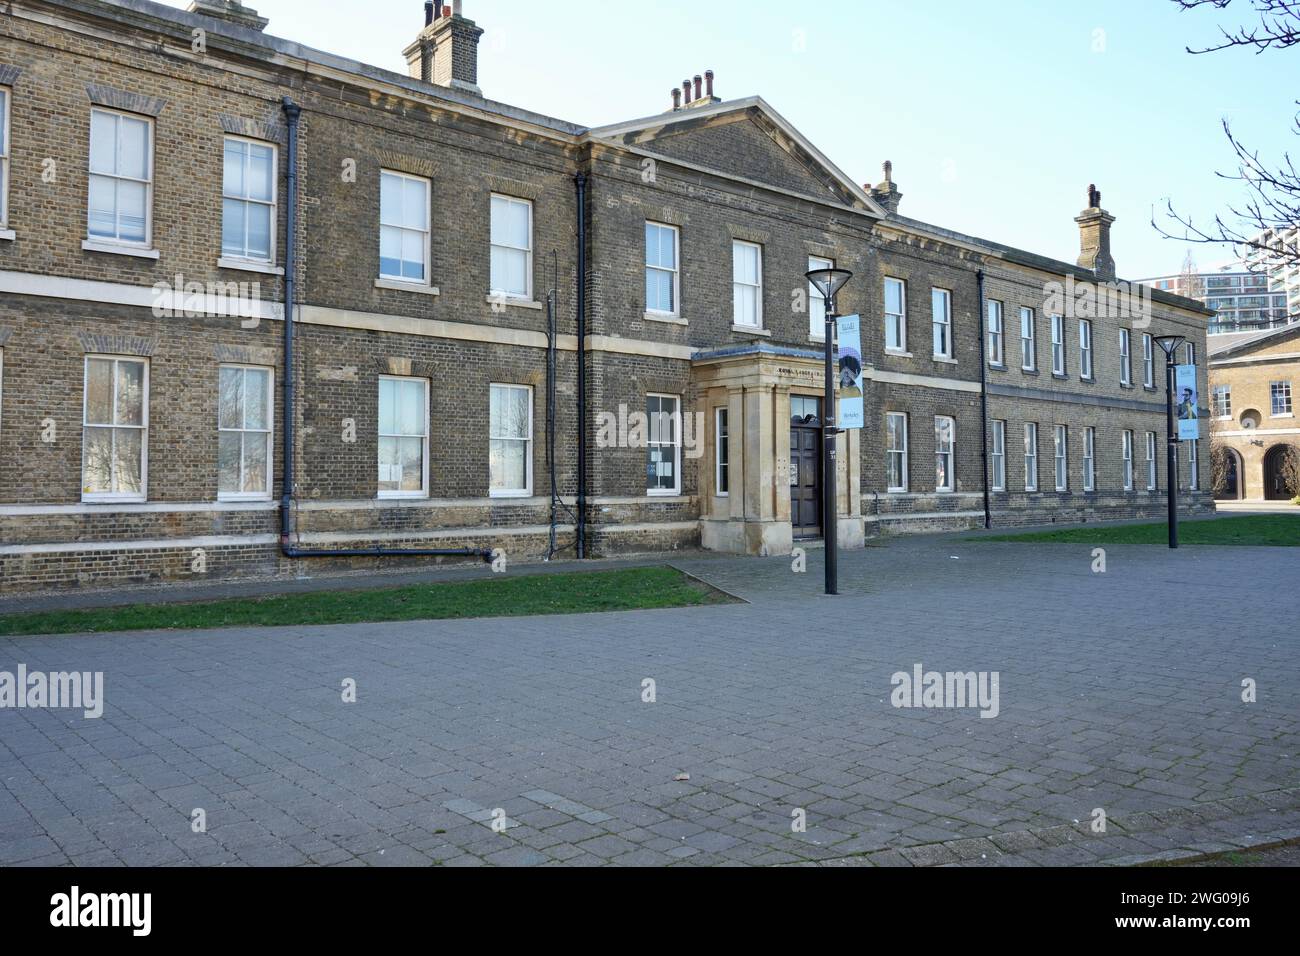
(675, 272)
(997, 338)
(1189, 353)
(424, 476)
(1086, 371)
(1153, 477)
(1125, 357)
(143, 427)
(721, 436)
(1031, 456)
(426, 234)
(676, 445)
(1148, 360)
(148, 121)
(1028, 343)
(6, 108)
(736, 284)
(951, 471)
(941, 323)
(902, 453)
(1128, 459)
(527, 441)
(895, 319)
(1280, 389)
(816, 323)
(1059, 363)
(527, 250)
(1089, 459)
(998, 452)
(247, 201)
(1222, 399)
(268, 433)
(1061, 457)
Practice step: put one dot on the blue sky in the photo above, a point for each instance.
(996, 115)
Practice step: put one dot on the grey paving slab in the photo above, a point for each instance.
(1109, 698)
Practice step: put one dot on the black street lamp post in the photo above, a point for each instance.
(1169, 344)
(829, 282)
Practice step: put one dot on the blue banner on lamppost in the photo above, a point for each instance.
(1187, 403)
(852, 411)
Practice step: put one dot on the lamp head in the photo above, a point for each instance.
(829, 281)
(1169, 343)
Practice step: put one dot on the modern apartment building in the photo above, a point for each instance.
(506, 332)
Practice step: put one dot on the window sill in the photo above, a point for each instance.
(665, 318)
(509, 495)
(7, 235)
(231, 497)
(513, 302)
(118, 249)
(402, 495)
(1148, 388)
(249, 265)
(1060, 376)
(399, 286)
(113, 499)
(754, 330)
(1292, 415)
(1087, 380)
(996, 368)
(675, 493)
(899, 353)
(944, 359)
(1029, 371)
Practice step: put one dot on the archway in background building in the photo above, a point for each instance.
(1274, 482)
(1234, 482)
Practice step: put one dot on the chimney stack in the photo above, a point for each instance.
(695, 93)
(232, 11)
(887, 193)
(1094, 237)
(446, 51)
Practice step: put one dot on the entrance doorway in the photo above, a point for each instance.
(805, 466)
(1275, 481)
(1234, 485)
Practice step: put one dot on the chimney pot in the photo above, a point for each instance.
(699, 86)
(428, 12)
(677, 99)
(708, 83)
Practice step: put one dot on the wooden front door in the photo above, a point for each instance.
(805, 466)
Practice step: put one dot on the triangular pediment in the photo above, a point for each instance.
(747, 140)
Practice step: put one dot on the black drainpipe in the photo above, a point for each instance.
(580, 182)
(984, 395)
(291, 113)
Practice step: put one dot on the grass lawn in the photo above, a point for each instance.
(580, 593)
(1281, 531)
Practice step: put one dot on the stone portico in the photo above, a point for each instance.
(755, 383)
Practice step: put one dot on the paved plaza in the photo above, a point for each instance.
(530, 741)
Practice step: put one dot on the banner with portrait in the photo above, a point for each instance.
(849, 368)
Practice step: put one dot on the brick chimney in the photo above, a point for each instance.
(445, 52)
(887, 193)
(1094, 237)
(232, 11)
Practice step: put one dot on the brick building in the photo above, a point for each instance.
(1252, 409)
(510, 331)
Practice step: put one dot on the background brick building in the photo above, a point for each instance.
(436, 244)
